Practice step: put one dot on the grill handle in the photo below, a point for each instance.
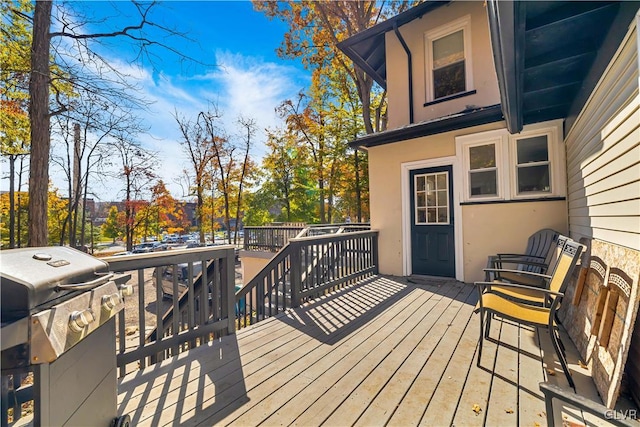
(85, 285)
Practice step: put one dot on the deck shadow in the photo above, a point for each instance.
(206, 382)
(355, 306)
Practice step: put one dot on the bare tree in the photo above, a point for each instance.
(199, 151)
(248, 125)
(137, 173)
(84, 132)
(71, 28)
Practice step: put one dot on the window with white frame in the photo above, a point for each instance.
(483, 170)
(449, 59)
(532, 165)
(500, 166)
(432, 198)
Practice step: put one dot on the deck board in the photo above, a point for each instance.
(386, 351)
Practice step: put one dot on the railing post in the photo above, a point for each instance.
(374, 251)
(295, 273)
(228, 286)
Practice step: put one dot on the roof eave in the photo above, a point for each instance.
(477, 117)
(506, 23)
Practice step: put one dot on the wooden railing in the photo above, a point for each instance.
(269, 239)
(202, 281)
(275, 237)
(306, 268)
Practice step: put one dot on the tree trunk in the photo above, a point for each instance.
(39, 120)
(358, 194)
(12, 202)
(200, 210)
(84, 207)
(19, 213)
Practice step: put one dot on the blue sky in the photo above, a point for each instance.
(248, 78)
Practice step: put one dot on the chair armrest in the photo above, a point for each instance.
(481, 285)
(519, 256)
(612, 416)
(522, 261)
(524, 273)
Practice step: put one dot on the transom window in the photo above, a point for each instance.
(483, 171)
(432, 198)
(532, 165)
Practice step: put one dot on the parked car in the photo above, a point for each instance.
(122, 253)
(143, 248)
(160, 247)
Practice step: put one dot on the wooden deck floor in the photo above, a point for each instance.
(388, 351)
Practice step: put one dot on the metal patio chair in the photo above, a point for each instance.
(495, 304)
(536, 258)
(538, 280)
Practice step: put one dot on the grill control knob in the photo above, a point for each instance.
(80, 320)
(126, 290)
(110, 301)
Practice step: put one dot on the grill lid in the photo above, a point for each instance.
(31, 277)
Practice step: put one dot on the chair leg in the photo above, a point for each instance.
(488, 325)
(481, 338)
(555, 340)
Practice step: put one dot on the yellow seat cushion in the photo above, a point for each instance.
(524, 313)
(528, 295)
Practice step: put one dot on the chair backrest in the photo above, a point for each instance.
(554, 254)
(565, 265)
(539, 245)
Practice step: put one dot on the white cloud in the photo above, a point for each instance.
(242, 85)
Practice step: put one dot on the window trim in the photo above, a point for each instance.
(464, 24)
(552, 132)
(499, 139)
(426, 207)
(506, 162)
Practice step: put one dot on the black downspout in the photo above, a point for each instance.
(409, 64)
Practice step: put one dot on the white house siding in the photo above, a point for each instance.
(603, 156)
(603, 172)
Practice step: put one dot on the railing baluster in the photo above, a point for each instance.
(159, 325)
(204, 300)
(141, 311)
(191, 309)
(176, 308)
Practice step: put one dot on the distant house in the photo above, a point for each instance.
(505, 118)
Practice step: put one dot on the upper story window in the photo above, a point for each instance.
(448, 54)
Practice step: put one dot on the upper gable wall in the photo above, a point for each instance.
(483, 70)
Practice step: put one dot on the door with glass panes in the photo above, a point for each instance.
(432, 229)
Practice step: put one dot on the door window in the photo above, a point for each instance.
(432, 198)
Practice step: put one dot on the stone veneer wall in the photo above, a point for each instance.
(578, 315)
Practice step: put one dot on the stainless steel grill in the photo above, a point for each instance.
(58, 308)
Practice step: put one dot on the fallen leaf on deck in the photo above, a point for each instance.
(536, 424)
(476, 408)
(582, 365)
(551, 372)
(509, 411)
